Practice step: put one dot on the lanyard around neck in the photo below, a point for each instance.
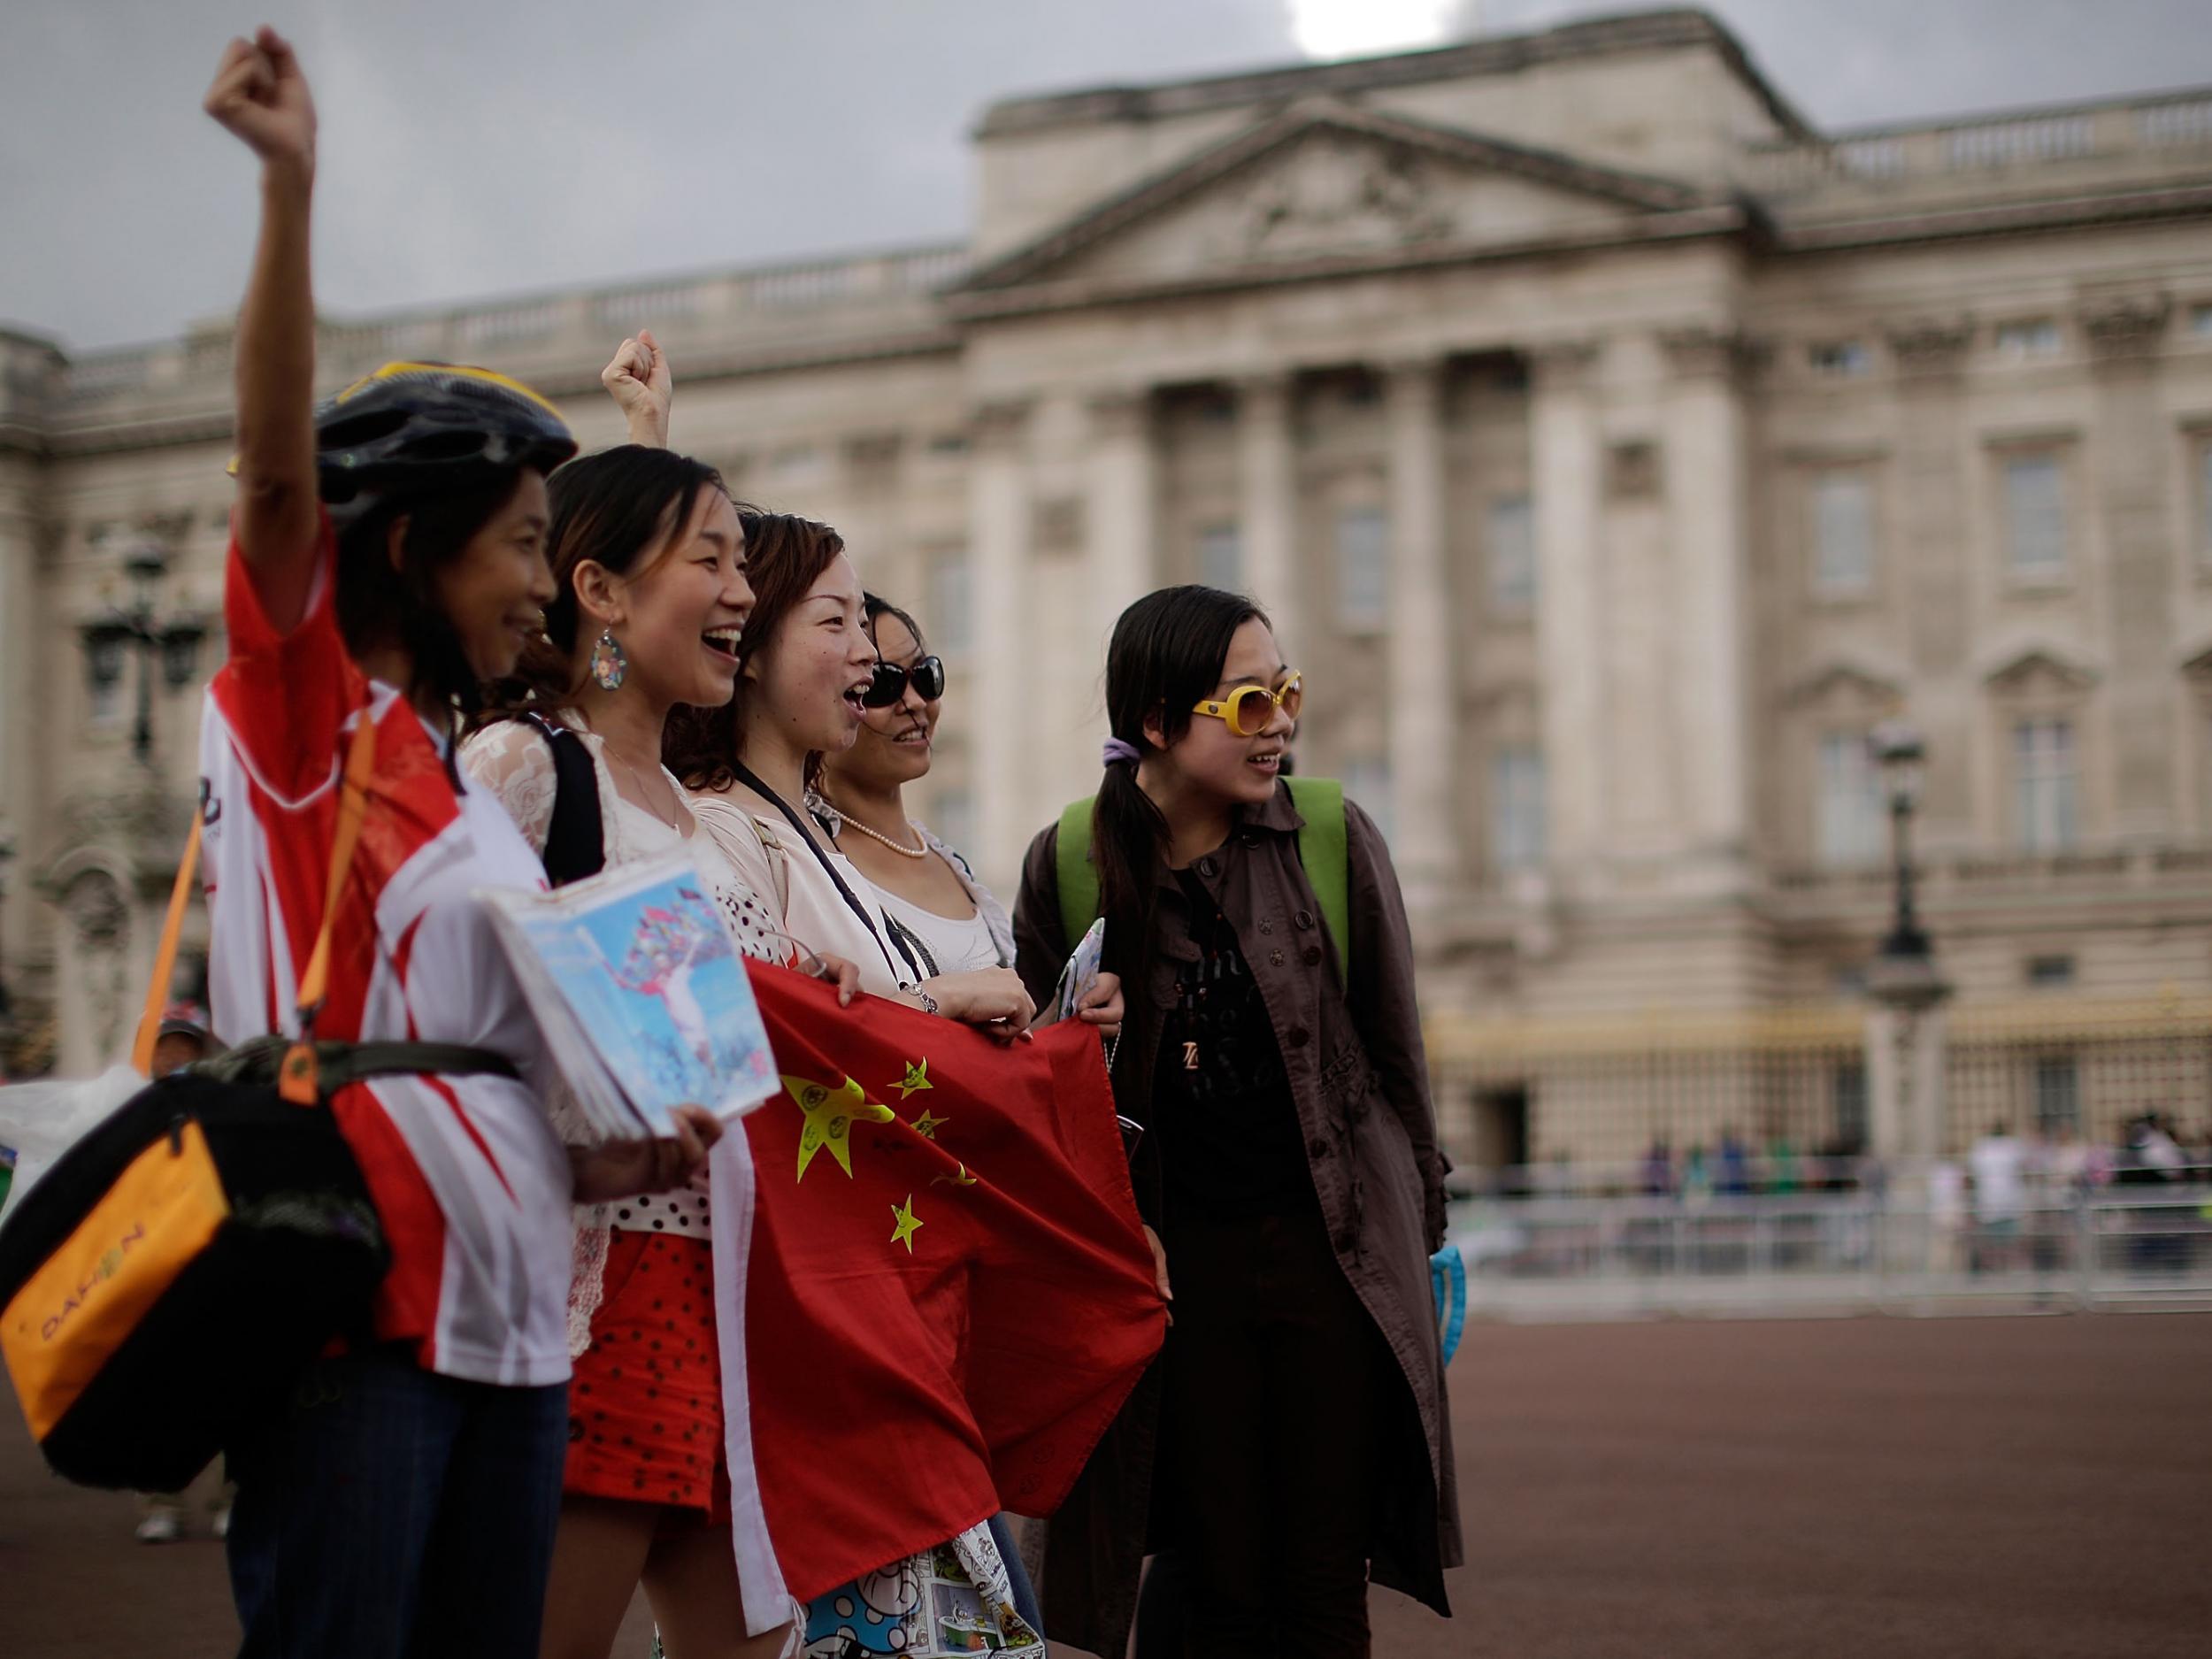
(752, 780)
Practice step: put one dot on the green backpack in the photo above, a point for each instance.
(1322, 847)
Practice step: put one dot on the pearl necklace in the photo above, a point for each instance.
(878, 835)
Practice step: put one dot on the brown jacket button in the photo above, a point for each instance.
(1313, 955)
(1304, 918)
(1298, 1037)
(1319, 1149)
(1267, 927)
(1274, 958)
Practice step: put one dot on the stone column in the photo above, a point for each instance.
(2131, 473)
(1123, 514)
(1268, 521)
(1425, 759)
(1708, 514)
(1563, 469)
(999, 508)
(1908, 1118)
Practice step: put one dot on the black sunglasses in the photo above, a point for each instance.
(889, 682)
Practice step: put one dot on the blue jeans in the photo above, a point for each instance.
(392, 1513)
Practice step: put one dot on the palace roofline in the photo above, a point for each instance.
(1490, 54)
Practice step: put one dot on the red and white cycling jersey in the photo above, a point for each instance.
(471, 1181)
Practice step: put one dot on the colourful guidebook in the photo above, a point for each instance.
(636, 979)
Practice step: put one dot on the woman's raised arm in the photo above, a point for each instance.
(259, 94)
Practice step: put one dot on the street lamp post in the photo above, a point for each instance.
(1901, 756)
(1905, 1048)
(169, 645)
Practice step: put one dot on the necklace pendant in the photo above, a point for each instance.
(1190, 1056)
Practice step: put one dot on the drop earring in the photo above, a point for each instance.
(608, 662)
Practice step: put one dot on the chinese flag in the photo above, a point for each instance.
(947, 1292)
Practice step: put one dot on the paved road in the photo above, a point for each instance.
(1971, 1488)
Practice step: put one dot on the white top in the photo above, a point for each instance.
(1999, 1162)
(952, 944)
(514, 759)
(764, 853)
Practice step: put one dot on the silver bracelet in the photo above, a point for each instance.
(929, 1002)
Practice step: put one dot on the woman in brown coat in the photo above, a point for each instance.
(1295, 1429)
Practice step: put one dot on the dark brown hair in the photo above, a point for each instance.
(381, 601)
(785, 555)
(622, 508)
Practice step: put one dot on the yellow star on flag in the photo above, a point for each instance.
(904, 1224)
(962, 1179)
(926, 1125)
(829, 1113)
(916, 1078)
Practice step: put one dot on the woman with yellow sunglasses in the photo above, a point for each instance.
(1289, 1163)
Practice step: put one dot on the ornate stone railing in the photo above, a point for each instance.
(2141, 126)
(463, 331)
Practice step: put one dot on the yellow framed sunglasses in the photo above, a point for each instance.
(1248, 710)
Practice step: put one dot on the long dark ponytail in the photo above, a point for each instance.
(1167, 653)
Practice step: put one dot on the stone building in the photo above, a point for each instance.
(1613, 449)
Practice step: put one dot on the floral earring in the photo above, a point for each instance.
(608, 664)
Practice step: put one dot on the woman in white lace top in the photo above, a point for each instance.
(648, 554)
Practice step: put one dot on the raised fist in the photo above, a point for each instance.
(259, 94)
(639, 382)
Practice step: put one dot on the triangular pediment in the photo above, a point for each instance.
(1325, 186)
(2039, 669)
(1846, 689)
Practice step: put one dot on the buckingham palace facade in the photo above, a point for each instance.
(1612, 448)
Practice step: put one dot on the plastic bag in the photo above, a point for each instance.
(41, 1120)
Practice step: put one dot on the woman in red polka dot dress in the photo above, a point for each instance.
(649, 555)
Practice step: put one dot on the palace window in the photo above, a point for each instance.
(1221, 557)
(1516, 808)
(951, 620)
(1512, 549)
(2029, 338)
(2204, 498)
(1849, 810)
(2057, 1092)
(1842, 359)
(1363, 569)
(1842, 513)
(954, 820)
(1367, 780)
(2043, 807)
(2035, 516)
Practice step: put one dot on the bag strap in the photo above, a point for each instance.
(299, 1081)
(165, 956)
(261, 1062)
(1324, 847)
(1079, 876)
(576, 838)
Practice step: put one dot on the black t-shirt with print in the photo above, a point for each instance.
(1228, 1126)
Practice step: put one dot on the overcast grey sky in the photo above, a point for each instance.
(474, 149)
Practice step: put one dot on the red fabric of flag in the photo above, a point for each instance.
(949, 1294)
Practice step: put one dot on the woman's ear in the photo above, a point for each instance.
(396, 543)
(1155, 728)
(598, 592)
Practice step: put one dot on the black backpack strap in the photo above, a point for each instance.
(338, 1064)
(575, 842)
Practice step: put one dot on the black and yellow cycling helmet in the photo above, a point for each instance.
(430, 426)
